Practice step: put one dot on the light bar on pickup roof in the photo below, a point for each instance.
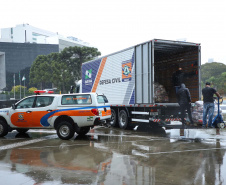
(43, 92)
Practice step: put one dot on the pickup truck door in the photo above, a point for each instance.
(21, 116)
(43, 106)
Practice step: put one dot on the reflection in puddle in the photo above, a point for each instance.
(112, 156)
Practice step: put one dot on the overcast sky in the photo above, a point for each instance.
(112, 25)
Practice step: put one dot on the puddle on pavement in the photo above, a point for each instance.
(113, 156)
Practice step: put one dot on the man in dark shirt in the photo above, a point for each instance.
(184, 100)
(178, 78)
(208, 104)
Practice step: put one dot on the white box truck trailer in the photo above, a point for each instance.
(138, 81)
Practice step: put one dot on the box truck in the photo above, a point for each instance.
(138, 81)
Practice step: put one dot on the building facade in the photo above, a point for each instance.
(25, 33)
(2, 71)
(20, 45)
(17, 58)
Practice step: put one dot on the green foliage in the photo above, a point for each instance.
(215, 74)
(75, 56)
(40, 72)
(61, 69)
(17, 89)
(32, 89)
(61, 76)
(213, 69)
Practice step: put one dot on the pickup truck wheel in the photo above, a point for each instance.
(22, 130)
(3, 128)
(65, 130)
(114, 120)
(82, 130)
(123, 119)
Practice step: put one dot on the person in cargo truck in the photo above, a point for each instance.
(208, 104)
(184, 100)
(178, 78)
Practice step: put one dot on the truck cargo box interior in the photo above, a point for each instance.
(168, 58)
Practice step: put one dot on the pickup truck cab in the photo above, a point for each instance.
(66, 113)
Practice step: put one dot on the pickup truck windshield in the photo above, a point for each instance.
(76, 99)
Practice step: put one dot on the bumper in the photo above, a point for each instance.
(99, 121)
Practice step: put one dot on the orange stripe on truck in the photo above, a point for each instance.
(99, 74)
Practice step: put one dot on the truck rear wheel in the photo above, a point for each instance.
(123, 119)
(82, 130)
(65, 130)
(3, 128)
(114, 119)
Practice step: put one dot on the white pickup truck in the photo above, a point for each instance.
(66, 113)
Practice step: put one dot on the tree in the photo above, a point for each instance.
(61, 76)
(40, 72)
(17, 89)
(75, 56)
(212, 69)
(32, 89)
(223, 83)
(215, 74)
(61, 69)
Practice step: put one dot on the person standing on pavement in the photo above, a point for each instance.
(184, 100)
(208, 104)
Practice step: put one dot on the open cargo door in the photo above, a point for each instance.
(155, 63)
(168, 57)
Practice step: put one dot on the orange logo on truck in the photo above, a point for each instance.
(126, 71)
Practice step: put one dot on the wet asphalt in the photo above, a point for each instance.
(111, 156)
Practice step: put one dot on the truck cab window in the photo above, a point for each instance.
(26, 103)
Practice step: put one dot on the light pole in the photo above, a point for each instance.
(20, 84)
(14, 85)
(23, 79)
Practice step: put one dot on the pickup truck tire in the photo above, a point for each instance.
(123, 119)
(3, 128)
(22, 130)
(82, 130)
(65, 130)
(114, 118)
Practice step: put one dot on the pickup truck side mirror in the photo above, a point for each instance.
(13, 106)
